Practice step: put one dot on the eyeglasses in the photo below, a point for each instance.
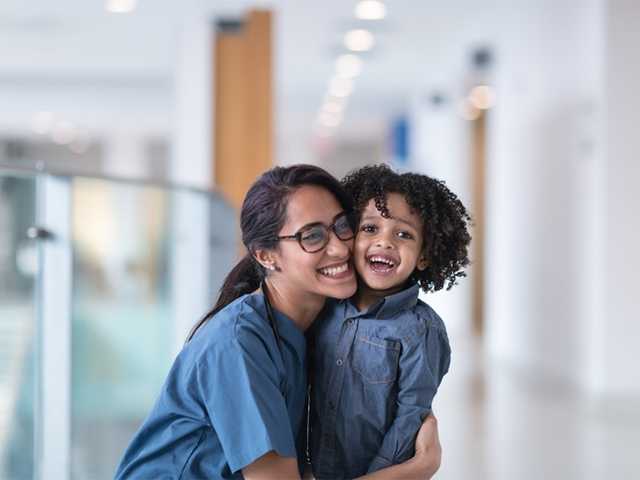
(315, 236)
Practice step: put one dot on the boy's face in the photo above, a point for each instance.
(388, 250)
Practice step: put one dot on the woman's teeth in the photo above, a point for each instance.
(333, 271)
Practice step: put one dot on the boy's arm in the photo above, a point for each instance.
(423, 363)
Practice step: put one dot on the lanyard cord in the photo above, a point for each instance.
(276, 334)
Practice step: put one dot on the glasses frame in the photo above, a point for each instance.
(351, 218)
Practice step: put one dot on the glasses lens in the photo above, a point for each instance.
(314, 238)
(343, 227)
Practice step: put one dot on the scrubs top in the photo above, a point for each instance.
(232, 395)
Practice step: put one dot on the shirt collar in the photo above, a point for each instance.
(391, 304)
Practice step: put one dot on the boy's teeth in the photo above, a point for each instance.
(381, 260)
(333, 271)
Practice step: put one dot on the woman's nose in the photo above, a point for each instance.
(337, 247)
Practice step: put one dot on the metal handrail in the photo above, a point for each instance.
(41, 168)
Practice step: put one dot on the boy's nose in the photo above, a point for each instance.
(384, 242)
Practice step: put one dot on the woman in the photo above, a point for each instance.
(234, 399)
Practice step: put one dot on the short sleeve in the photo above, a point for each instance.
(239, 384)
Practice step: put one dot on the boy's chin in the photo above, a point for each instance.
(383, 285)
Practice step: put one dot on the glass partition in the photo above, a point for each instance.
(18, 339)
(147, 261)
(122, 335)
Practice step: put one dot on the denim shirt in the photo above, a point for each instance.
(375, 375)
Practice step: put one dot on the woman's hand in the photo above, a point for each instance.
(426, 461)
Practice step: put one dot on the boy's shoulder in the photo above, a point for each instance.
(429, 316)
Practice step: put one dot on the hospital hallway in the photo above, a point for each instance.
(497, 422)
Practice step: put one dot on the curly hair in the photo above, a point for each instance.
(444, 217)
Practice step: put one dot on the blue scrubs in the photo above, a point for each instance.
(231, 396)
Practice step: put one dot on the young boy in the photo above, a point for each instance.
(377, 359)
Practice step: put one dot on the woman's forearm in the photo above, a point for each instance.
(426, 461)
(414, 468)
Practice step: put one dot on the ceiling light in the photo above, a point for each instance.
(120, 6)
(359, 40)
(467, 110)
(482, 97)
(348, 66)
(340, 87)
(63, 133)
(329, 120)
(42, 122)
(370, 10)
(333, 106)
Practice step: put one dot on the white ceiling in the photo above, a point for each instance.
(422, 44)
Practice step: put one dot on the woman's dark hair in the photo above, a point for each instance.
(445, 220)
(263, 214)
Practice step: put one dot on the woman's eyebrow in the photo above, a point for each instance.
(313, 224)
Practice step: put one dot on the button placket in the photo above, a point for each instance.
(328, 441)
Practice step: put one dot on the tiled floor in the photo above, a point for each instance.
(497, 423)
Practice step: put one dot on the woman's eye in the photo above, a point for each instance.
(314, 235)
(405, 235)
(368, 228)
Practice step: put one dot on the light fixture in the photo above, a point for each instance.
(359, 40)
(42, 122)
(333, 106)
(467, 110)
(120, 6)
(370, 10)
(348, 65)
(482, 97)
(340, 87)
(63, 133)
(329, 120)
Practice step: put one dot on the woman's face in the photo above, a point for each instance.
(328, 272)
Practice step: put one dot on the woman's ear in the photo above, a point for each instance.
(266, 258)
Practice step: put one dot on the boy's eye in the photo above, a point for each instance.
(405, 235)
(368, 228)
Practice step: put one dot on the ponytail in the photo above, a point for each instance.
(245, 278)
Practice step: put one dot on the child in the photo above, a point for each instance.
(379, 357)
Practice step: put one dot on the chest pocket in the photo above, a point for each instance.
(376, 359)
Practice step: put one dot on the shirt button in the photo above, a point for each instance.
(350, 321)
(339, 362)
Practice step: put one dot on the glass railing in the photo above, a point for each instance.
(100, 281)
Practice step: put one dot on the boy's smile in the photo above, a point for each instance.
(387, 250)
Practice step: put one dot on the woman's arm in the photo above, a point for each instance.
(426, 461)
(272, 466)
(423, 465)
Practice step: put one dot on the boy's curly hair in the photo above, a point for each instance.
(445, 219)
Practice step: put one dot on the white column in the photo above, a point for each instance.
(54, 312)
(192, 142)
(620, 226)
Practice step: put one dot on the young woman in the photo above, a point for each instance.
(233, 403)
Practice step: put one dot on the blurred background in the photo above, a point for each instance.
(131, 129)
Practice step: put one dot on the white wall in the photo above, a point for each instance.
(562, 235)
(543, 152)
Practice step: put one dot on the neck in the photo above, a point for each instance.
(302, 311)
(365, 297)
